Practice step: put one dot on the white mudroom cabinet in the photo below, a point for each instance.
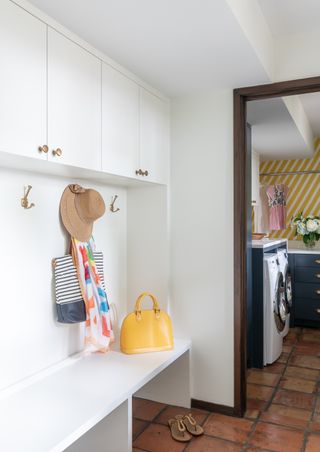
(70, 114)
(74, 103)
(22, 82)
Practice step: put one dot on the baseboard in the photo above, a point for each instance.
(214, 407)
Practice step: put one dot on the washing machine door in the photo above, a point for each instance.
(288, 288)
(280, 305)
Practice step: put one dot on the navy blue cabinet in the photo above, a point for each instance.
(305, 270)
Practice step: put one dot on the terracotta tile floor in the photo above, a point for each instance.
(283, 409)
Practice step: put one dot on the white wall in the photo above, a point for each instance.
(202, 239)
(297, 55)
(30, 338)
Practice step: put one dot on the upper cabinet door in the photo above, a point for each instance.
(22, 82)
(120, 123)
(154, 137)
(74, 103)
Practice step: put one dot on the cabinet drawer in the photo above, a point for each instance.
(307, 274)
(306, 308)
(307, 290)
(307, 260)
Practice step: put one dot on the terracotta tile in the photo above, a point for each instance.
(315, 424)
(311, 362)
(256, 449)
(207, 444)
(309, 330)
(283, 358)
(274, 437)
(284, 415)
(307, 349)
(300, 372)
(293, 332)
(274, 368)
(137, 427)
(289, 341)
(255, 404)
(157, 438)
(146, 410)
(313, 443)
(287, 348)
(259, 392)
(263, 378)
(137, 450)
(252, 414)
(294, 399)
(317, 409)
(311, 337)
(226, 427)
(298, 384)
(171, 411)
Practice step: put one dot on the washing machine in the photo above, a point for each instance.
(287, 284)
(274, 307)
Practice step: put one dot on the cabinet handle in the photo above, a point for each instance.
(43, 148)
(58, 152)
(139, 172)
(317, 311)
(317, 261)
(318, 291)
(317, 275)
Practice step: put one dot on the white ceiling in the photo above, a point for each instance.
(178, 46)
(311, 105)
(274, 133)
(291, 16)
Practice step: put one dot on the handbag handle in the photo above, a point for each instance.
(137, 308)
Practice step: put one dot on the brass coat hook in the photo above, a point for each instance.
(24, 200)
(114, 198)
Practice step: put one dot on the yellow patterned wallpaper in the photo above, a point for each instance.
(304, 190)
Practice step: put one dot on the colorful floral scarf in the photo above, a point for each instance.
(99, 332)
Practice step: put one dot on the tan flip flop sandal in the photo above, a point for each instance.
(178, 430)
(190, 423)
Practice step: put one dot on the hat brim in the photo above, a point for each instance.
(77, 228)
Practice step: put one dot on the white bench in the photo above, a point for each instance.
(85, 403)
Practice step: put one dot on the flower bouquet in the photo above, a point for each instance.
(308, 227)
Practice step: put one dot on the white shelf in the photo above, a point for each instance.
(35, 165)
(54, 411)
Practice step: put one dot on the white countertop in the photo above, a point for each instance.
(267, 243)
(298, 247)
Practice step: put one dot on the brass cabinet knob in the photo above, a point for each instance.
(317, 275)
(57, 152)
(139, 172)
(318, 291)
(43, 148)
(317, 261)
(318, 311)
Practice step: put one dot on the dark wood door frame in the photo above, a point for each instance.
(241, 97)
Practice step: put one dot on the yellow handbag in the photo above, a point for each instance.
(146, 331)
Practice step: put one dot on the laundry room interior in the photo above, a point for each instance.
(283, 315)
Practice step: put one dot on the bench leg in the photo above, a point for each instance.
(113, 433)
(172, 385)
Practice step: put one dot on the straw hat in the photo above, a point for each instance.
(79, 208)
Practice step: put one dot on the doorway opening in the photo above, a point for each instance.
(243, 216)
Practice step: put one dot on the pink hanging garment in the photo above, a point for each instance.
(277, 200)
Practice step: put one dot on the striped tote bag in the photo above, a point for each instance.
(69, 301)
